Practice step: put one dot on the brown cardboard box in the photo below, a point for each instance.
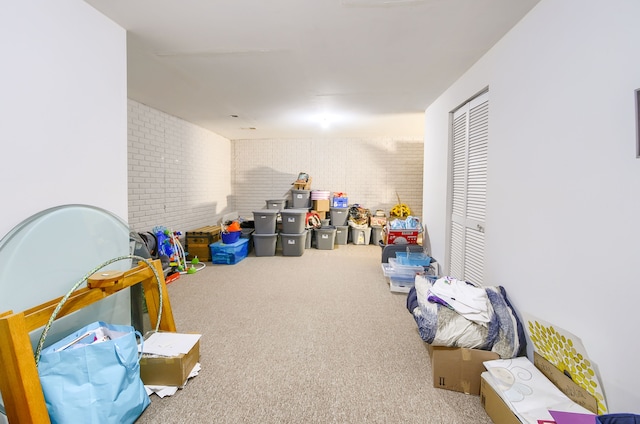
(169, 370)
(376, 220)
(322, 205)
(500, 412)
(458, 368)
(496, 409)
(565, 384)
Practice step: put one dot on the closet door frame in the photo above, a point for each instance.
(466, 219)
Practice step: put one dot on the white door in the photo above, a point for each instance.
(468, 189)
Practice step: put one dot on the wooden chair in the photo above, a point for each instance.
(19, 380)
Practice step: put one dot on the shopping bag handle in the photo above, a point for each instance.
(123, 361)
(47, 327)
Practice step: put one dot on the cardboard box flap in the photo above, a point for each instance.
(567, 386)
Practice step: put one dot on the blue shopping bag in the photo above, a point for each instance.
(93, 376)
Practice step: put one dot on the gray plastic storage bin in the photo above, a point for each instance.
(265, 221)
(376, 234)
(360, 235)
(325, 238)
(277, 204)
(300, 198)
(265, 244)
(342, 234)
(339, 216)
(293, 220)
(309, 238)
(293, 244)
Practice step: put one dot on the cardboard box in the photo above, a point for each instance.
(339, 202)
(500, 412)
(573, 391)
(380, 221)
(322, 205)
(458, 368)
(169, 370)
(495, 407)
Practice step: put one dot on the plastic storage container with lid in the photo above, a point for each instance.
(293, 244)
(264, 221)
(293, 220)
(229, 254)
(265, 244)
(276, 204)
(325, 238)
(342, 234)
(339, 216)
(300, 198)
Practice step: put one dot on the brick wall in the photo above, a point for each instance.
(179, 173)
(370, 171)
(182, 176)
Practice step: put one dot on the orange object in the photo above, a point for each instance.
(233, 227)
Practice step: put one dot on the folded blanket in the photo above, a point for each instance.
(439, 325)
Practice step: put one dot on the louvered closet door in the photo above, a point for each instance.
(469, 189)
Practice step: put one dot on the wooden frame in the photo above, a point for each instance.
(19, 379)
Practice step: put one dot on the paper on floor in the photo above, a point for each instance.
(169, 344)
(163, 391)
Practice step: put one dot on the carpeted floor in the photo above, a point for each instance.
(312, 339)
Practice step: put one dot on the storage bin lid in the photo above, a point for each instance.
(267, 212)
(294, 211)
(327, 229)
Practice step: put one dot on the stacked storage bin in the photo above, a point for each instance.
(265, 235)
(377, 223)
(342, 234)
(325, 237)
(402, 269)
(294, 234)
(300, 199)
(278, 204)
(358, 220)
(339, 213)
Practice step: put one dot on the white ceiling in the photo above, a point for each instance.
(304, 68)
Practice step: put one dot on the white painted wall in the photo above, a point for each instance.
(63, 111)
(563, 189)
(179, 173)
